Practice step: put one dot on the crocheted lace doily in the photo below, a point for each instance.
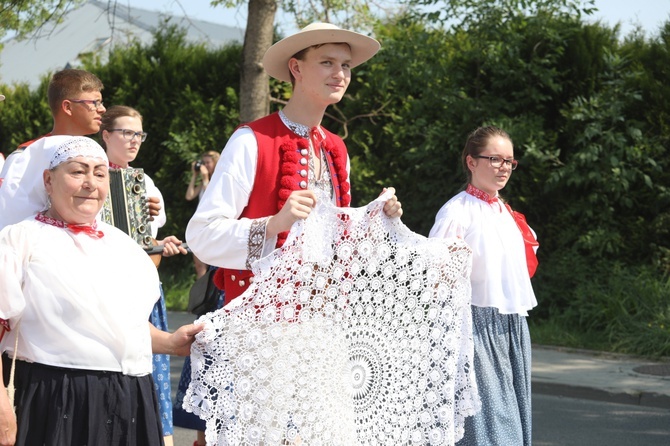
(356, 332)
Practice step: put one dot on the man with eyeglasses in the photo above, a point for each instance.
(75, 100)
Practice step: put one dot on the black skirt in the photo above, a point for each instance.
(58, 406)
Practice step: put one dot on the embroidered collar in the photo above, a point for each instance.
(90, 230)
(301, 129)
(315, 134)
(116, 166)
(478, 193)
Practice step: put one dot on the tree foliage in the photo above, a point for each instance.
(349, 14)
(588, 113)
(26, 16)
(188, 97)
(582, 108)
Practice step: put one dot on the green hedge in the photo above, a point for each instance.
(586, 109)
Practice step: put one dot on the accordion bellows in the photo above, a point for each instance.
(126, 204)
(356, 332)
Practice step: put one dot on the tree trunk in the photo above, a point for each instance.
(254, 86)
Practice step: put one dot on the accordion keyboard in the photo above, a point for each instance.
(126, 205)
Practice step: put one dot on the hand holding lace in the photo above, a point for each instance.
(297, 207)
(177, 343)
(392, 207)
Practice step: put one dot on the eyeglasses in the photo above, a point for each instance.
(130, 134)
(497, 161)
(96, 103)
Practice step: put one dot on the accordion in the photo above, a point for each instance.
(126, 205)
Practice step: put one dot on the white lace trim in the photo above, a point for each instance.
(356, 332)
(77, 146)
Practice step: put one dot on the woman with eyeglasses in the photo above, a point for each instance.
(122, 135)
(503, 262)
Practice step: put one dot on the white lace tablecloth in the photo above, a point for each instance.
(356, 332)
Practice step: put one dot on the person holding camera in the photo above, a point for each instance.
(201, 169)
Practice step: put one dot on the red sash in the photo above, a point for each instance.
(529, 240)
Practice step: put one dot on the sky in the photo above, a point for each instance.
(650, 14)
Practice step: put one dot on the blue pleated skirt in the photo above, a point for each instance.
(161, 369)
(502, 369)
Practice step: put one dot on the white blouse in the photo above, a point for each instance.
(499, 272)
(160, 219)
(77, 302)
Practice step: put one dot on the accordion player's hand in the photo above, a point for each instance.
(154, 206)
(172, 246)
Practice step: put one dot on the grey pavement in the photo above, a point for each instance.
(601, 376)
(555, 371)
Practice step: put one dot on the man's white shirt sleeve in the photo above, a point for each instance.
(215, 233)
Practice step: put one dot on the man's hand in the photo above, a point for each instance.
(298, 206)
(392, 207)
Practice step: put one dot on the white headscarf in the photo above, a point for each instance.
(22, 193)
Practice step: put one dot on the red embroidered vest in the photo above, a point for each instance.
(279, 171)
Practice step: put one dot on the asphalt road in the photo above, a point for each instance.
(559, 421)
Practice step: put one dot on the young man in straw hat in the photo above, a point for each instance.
(270, 168)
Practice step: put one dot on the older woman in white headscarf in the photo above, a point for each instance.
(81, 341)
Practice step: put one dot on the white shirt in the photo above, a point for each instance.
(499, 272)
(22, 193)
(78, 302)
(160, 219)
(215, 233)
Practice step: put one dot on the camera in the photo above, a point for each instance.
(197, 165)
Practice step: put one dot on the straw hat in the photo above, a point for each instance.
(277, 56)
